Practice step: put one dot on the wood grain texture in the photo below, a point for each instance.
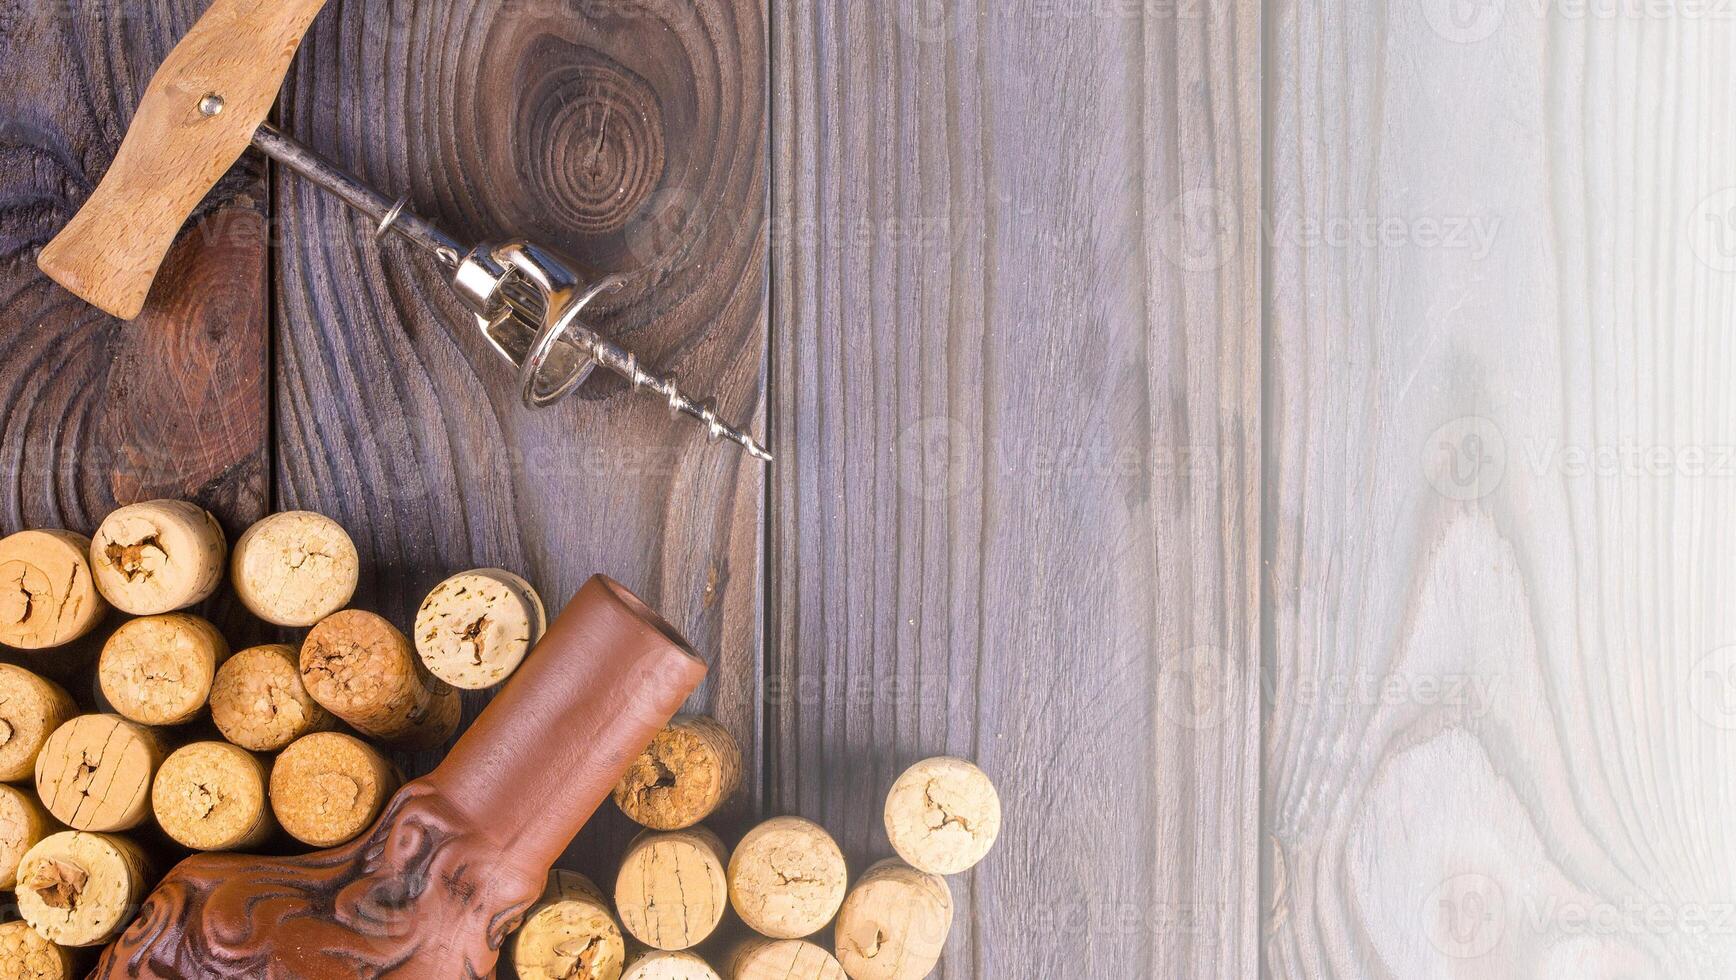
(1500, 738)
(628, 135)
(101, 413)
(197, 116)
(1015, 403)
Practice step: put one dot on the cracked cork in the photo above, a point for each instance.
(211, 796)
(158, 556)
(787, 878)
(295, 568)
(95, 772)
(943, 815)
(669, 965)
(80, 889)
(258, 700)
(474, 629)
(672, 887)
(26, 955)
(23, 823)
(47, 595)
(782, 959)
(569, 934)
(687, 772)
(157, 670)
(328, 787)
(894, 923)
(361, 669)
(31, 708)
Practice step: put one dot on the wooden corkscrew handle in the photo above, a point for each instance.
(195, 120)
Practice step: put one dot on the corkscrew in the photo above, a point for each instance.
(529, 303)
(208, 102)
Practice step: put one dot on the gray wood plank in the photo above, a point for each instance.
(630, 137)
(1499, 430)
(1015, 517)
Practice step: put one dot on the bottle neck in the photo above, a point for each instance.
(555, 741)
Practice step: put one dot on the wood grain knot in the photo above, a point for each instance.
(592, 139)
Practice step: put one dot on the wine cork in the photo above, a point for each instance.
(683, 776)
(95, 773)
(26, 955)
(259, 702)
(474, 629)
(158, 556)
(360, 668)
(31, 708)
(47, 596)
(894, 923)
(295, 568)
(787, 878)
(570, 934)
(782, 959)
(667, 965)
(157, 670)
(943, 815)
(23, 822)
(672, 887)
(328, 787)
(211, 796)
(79, 889)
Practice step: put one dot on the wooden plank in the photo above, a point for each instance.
(1015, 517)
(102, 413)
(1499, 432)
(628, 136)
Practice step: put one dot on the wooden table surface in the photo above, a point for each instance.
(1288, 446)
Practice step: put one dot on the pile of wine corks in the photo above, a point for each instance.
(785, 881)
(276, 745)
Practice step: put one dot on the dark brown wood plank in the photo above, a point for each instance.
(98, 412)
(627, 135)
(1016, 511)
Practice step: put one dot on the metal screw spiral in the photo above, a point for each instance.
(626, 364)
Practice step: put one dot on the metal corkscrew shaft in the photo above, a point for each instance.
(538, 329)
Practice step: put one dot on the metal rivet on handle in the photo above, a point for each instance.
(211, 105)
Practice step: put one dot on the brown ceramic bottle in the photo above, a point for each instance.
(459, 855)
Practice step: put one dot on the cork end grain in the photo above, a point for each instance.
(26, 955)
(258, 700)
(474, 629)
(782, 959)
(672, 888)
(295, 568)
(894, 923)
(31, 708)
(95, 773)
(669, 965)
(687, 772)
(361, 669)
(943, 815)
(158, 556)
(23, 823)
(787, 878)
(328, 787)
(570, 934)
(79, 889)
(47, 595)
(157, 670)
(211, 796)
